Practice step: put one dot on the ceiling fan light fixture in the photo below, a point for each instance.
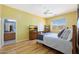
(48, 12)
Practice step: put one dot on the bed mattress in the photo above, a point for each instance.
(53, 41)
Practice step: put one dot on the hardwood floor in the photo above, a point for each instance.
(27, 47)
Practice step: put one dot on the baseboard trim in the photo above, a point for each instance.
(21, 41)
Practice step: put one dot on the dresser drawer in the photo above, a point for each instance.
(9, 36)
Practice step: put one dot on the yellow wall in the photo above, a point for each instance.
(23, 20)
(0, 10)
(0, 19)
(0, 26)
(71, 19)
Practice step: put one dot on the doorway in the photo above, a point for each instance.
(9, 31)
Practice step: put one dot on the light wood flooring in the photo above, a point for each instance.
(27, 47)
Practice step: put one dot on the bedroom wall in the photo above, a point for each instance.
(0, 25)
(0, 10)
(0, 32)
(0, 17)
(23, 20)
(70, 17)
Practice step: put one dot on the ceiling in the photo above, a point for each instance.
(45, 10)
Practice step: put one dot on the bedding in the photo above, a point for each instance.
(41, 37)
(58, 44)
(60, 33)
(62, 43)
(67, 34)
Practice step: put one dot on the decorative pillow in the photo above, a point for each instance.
(66, 34)
(59, 34)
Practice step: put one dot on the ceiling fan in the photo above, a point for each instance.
(48, 12)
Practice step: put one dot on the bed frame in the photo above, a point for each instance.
(74, 40)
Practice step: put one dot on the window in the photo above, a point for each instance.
(40, 27)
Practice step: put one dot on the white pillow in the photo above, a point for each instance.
(67, 34)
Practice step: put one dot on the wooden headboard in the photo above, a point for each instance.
(74, 39)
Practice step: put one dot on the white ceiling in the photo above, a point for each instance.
(45, 10)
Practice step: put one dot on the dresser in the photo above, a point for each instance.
(33, 32)
(47, 28)
(9, 36)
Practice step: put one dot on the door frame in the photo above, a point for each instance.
(15, 31)
(2, 32)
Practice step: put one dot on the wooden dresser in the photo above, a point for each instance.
(47, 28)
(9, 36)
(33, 32)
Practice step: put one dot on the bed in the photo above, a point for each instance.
(62, 44)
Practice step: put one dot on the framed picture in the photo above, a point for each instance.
(59, 23)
